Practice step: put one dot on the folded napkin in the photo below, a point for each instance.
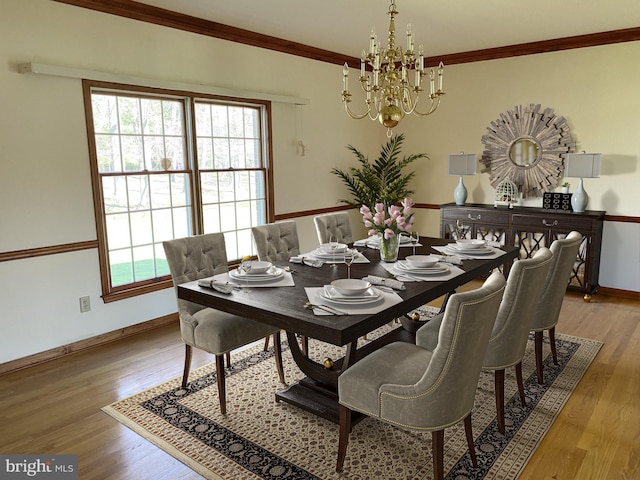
(222, 287)
(368, 243)
(312, 262)
(452, 259)
(387, 282)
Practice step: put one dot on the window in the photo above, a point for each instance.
(167, 165)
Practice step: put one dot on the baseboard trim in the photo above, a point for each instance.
(81, 345)
(616, 292)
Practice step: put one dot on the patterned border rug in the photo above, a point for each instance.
(262, 439)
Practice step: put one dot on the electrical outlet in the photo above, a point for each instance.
(85, 304)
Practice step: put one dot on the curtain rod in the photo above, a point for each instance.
(68, 72)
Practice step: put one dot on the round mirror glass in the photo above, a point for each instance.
(524, 152)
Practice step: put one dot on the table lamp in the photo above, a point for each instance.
(462, 164)
(582, 165)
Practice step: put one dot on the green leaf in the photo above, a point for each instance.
(382, 181)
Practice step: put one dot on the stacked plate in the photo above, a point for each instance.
(374, 240)
(402, 266)
(331, 295)
(468, 247)
(324, 252)
(273, 273)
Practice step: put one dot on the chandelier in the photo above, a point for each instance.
(391, 92)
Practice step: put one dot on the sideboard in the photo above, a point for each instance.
(531, 228)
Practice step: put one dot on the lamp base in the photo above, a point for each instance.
(579, 199)
(460, 193)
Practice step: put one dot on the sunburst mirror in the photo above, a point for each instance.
(527, 145)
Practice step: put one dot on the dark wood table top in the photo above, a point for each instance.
(283, 306)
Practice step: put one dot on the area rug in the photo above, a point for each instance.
(262, 439)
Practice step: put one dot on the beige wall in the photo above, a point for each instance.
(595, 89)
(45, 188)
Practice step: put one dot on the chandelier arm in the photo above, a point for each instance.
(357, 116)
(435, 103)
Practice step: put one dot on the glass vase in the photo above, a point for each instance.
(389, 248)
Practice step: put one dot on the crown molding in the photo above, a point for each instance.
(167, 18)
(188, 23)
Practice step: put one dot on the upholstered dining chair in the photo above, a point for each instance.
(214, 331)
(565, 252)
(337, 224)
(510, 333)
(276, 241)
(419, 389)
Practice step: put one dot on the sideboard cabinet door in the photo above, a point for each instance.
(530, 229)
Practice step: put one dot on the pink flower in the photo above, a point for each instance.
(394, 211)
(388, 221)
(407, 203)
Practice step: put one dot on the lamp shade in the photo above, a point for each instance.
(462, 164)
(583, 165)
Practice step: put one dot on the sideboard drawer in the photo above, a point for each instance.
(560, 222)
(494, 217)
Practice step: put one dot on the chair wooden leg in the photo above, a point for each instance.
(437, 451)
(523, 400)
(222, 388)
(552, 342)
(345, 430)
(187, 365)
(499, 388)
(469, 432)
(266, 343)
(277, 353)
(538, 350)
(304, 342)
(228, 357)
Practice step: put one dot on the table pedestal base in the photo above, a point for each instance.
(321, 399)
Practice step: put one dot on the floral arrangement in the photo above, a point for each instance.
(388, 221)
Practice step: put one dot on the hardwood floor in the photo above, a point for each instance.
(55, 407)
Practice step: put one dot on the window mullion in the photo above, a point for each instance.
(192, 158)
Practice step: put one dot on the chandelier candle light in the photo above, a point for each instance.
(390, 93)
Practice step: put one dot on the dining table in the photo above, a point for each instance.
(285, 307)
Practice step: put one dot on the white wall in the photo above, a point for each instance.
(45, 187)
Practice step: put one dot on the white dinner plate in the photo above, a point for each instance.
(439, 268)
(453, 249)
(326, 248)
(330, 294)
(273, 273)
(421, 273)
(321, 254)
(403, 240)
